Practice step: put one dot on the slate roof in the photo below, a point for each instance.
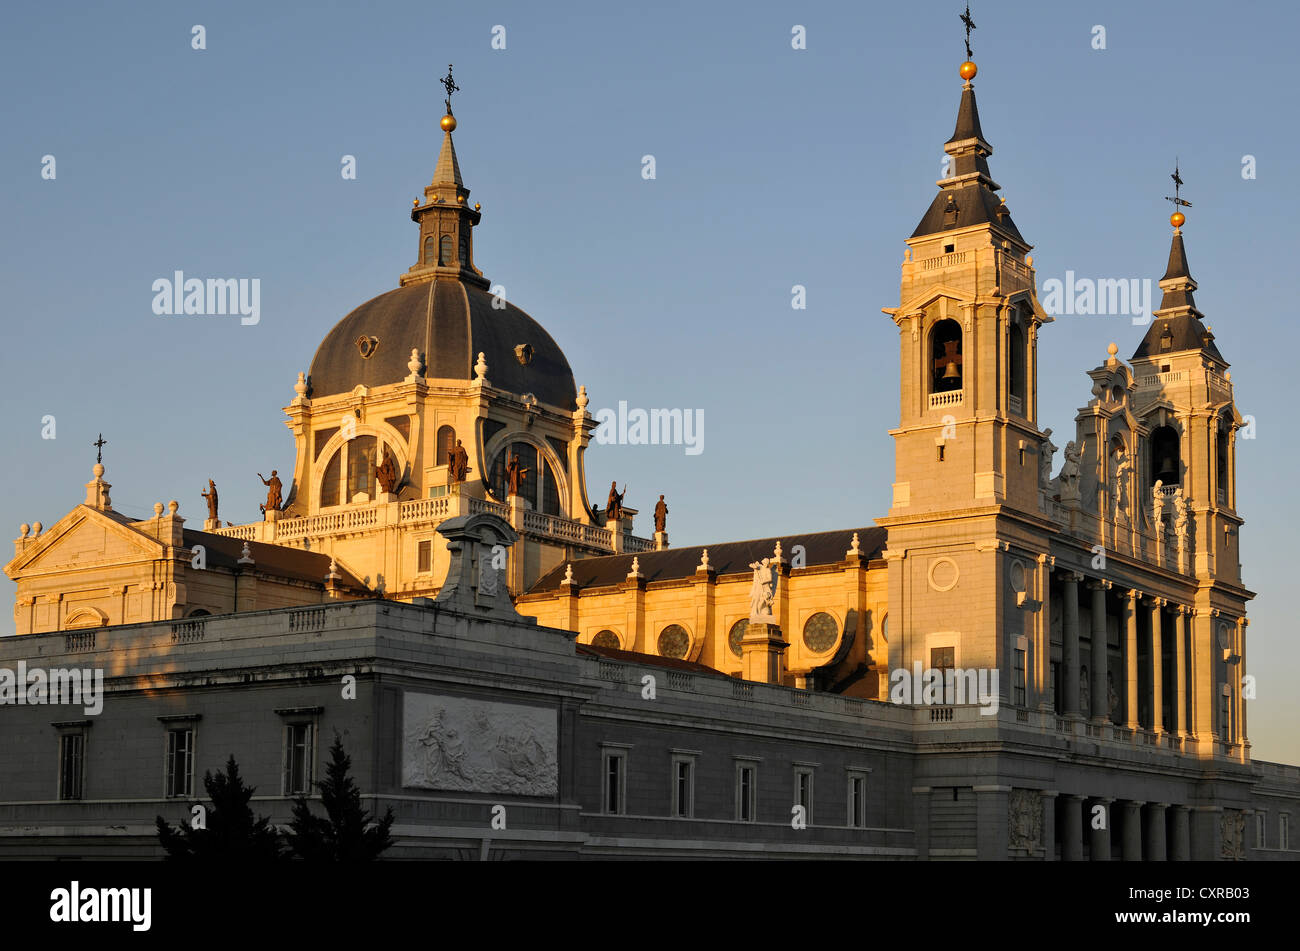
(822, 548)
(450, 322)
(295, 563)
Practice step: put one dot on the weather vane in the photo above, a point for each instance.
(1178, 184)
(970, 25)
(99, 447)
(450, 86)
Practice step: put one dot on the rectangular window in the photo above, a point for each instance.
(803, 791)
(1225, 718)
(746, 793)
(1018, 679)
(1284, 832)
(180, 762)
(425, 557)
(1261, 829)
(298, 759)
(72, 765)
(943, 658)
(857, 801)
(683, 787)
(615, 772)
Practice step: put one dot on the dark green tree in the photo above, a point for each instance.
(229, 829)
(347, 833)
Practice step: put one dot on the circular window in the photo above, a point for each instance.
(884, 628)
(674, 641)
(737, 635)
(1225, 639)
(820, 632)
(606, 639)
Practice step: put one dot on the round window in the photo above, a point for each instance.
(606, 639)
(674, 641)
(737, 635)
(820, 632)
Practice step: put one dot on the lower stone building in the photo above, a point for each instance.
(493, 737)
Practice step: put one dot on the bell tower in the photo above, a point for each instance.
(1191, 417)
(968, 321)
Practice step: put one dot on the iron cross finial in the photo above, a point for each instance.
(100, 443)
(970, 25)
(1178, 184)
(451, 87)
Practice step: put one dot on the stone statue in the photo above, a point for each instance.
(273, 499)
(1024, 819)
(457, 462)
(515, 474)
(211, 496)
(1120, 468)
(614, 505)
(1112, 698)
(762, 592)
(1046, 450)
(1069, 476)
(386, 473)
(661, 515)
(1180, 516)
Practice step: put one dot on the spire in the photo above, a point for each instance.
(446, 248)
(447, 171)
(1177, 326)
(968, 193)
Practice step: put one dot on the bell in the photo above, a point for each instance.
(950, 374)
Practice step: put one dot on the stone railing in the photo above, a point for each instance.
(79, 641)
(950, 398)
(483, 506)
(944, 260)
(420, 510)
(1014, 275)
(329, 524)
(633, 544)
(187, 632)
(1153, 380)
(245, 533)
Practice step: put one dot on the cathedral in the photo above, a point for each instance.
(439, 487)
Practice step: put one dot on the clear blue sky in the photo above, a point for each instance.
(774, 167)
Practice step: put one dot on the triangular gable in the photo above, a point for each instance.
(84, 537)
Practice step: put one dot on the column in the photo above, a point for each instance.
(1155, 831)
(1100, 701)
(1180, 846)
(1049, 825)
(1131, 658)
(921, 797)
(1072, 828)
(992, 835)
(1132, 831)
(1042, 665)
(1099, 838)
(1180, 670)
(1070, 645)
(1157, 669)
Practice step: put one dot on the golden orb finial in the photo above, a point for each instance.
(968, 70)
(1177, 219)
(448, 122)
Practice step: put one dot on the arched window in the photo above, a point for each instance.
(430, 247)
(445, 444)
(1165, 465)
(1016, 362)
(444, 250)
(945, 350)
(1221, 463)
(606, 639)
(329, 483)
(539, 486)
(357, 458)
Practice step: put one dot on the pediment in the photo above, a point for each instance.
(931, 294)
(83, 537)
